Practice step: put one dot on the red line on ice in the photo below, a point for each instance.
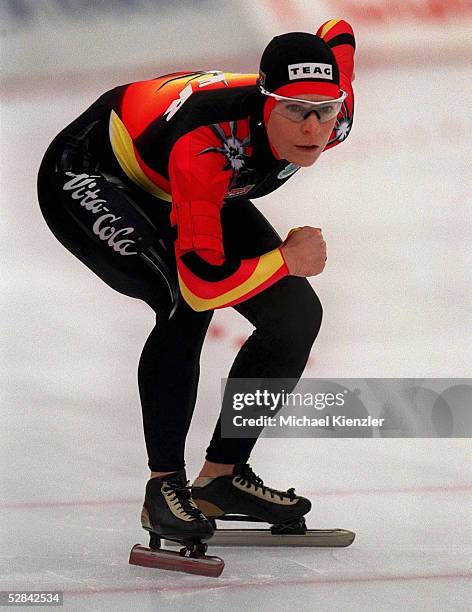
(321, 493)
(276, 582)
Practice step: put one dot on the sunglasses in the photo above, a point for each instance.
(298, 110)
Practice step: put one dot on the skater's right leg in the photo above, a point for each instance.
(99, 220)
(168, 375)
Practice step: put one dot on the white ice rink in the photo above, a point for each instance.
(394, 206)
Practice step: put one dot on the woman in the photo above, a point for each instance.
(149, 188)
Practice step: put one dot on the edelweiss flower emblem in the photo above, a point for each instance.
(342, 127)
(232, 148)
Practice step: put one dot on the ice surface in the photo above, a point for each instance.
(393, 202)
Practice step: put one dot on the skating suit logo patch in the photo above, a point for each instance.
(237, 158)
(342, 127)
(239, 191)
(288, 171)
(232, 148)
(210, 77)
(81, 186)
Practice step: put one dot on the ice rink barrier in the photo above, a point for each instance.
(41, 38)
(54, 37)
(416, 32)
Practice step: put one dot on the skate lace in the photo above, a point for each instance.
(182, 493)
(248, 477)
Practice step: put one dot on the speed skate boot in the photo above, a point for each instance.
(243, 496)
(170, 512)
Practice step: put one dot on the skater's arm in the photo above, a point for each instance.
(339, 35)
(208, 279)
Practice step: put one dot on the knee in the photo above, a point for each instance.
(305, 315)
(302, 315)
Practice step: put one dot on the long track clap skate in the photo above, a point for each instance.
(169, 512)
(244, 497)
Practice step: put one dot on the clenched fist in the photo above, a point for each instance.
(304, 251)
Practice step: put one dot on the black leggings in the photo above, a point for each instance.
(132, 251)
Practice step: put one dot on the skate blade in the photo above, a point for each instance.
(335, 538)
(170, 560)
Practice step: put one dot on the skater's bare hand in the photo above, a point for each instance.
(304, 251)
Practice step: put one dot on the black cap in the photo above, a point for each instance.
(295, 57)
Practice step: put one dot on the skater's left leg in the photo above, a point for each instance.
(287, 317)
